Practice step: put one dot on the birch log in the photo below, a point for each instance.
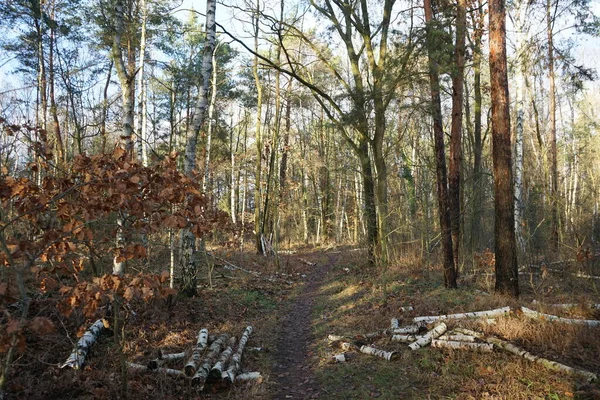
(452, 344)
(538, 315)
(387, 355)
(217, 370)
(511, 348)
(458, 337)
(395, 324)
(163, 358)
(142, 368)
(407, 329)
(426, 339)
(236, 360)
(478, 314)
(404, 338)
(469, 332)
(194, 361)
(213, 352)
(249, 376)
(81, 350)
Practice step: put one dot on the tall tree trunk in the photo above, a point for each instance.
(454, 178)
(554, 212)
(209, 127)
(507, 275)
(440, 156)
(140, 128)
(258, 138)
(60, 147)
(477, 136)
(189, 270)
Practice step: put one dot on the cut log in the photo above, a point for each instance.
(340, 358)
(452, 344)
(142, 368)
(212, 353)
(395, 324)
(511, 348)
(201, 344)
(458, 337)
(538, 315)
(335, 338)
(426, 339)
(405, 338)
(469, 332)
(164, 358)
(478, 314)
(386, 355)
(217, 370)
(249, 377)
(81, 350)
(236, 359)
(408, 329)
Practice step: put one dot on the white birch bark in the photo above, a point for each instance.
(217, 370)
(254, 376)
(164, 358)
(457, 345)
(405, 338)
(478, 314)
(201, 375)
(236, 360)
(410, 329)
(426, 339)
(188, 251)
(458, 337)
(394, 323)
(211, 116)
(81, 350)
(386, 355)
(538, 315)
(132, 367)
(511, 348)
(140, 122)
(194, 361)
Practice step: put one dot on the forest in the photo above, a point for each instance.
(260, 199)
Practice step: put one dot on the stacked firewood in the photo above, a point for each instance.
(214, 360)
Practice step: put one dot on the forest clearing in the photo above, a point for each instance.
(321, 199)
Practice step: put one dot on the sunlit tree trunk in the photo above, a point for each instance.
(454, 175)
(554, 212)
(189, 272)
(507, 275)
(258, 138)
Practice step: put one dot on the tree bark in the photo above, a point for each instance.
(454, 176)
(507, 275)
(554, 212)
(440, 155)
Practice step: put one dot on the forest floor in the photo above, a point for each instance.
(295, 306)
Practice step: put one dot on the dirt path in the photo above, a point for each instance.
(292, 372)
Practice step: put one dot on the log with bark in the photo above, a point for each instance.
(511, 348)
(236, 361)
(458, 345)
(409, 329)
(164, 358)
(404, 338)
(132, 367)
(538, 315)
(194, 360)
(458, 337)
(387, 355)
(81, 350)
(217, 370)
(394, 323)
(426, 339)
(254, 376)
(199, 378)
(478, 314)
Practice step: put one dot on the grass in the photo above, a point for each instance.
(348, 306)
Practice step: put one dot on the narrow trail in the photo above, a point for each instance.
(292, 372)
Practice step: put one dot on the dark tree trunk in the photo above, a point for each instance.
(440, 156)
(507, 274)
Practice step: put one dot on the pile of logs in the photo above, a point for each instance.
(417, 336)
(214, 360)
